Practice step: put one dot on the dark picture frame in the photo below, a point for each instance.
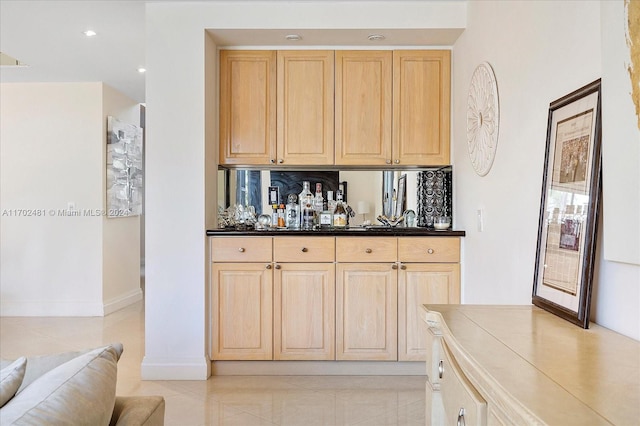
(569, 207)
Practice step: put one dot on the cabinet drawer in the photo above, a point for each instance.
(429, 249)
(366, 249)
(461, 401)
(241, 249)
(304, 249)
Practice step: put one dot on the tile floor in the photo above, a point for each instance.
(224, 400)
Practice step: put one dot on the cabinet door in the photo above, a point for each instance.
(418, 284)
(363, 107)
(366, 312)
(305, 107)
(247, 107)
(241, 311)
(421, 107)
(304, 311)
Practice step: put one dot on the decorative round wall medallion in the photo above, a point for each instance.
(483, 118)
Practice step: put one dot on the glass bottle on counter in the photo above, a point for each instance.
(306, 206)
(292, 212)
(318, 204)
(340, 214)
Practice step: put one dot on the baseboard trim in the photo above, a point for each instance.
(123, 301)
(318, 368)
(175, 368)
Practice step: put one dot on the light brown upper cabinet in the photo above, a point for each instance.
(421, 107)
(363, 107)
(391, 107)
(247, 107)
(305, 107)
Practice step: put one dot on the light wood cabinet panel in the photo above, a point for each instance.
(363, 107)
(421, 107)
(304, 311)
(247, 107)
(366, 249)
(241, 306)
(430, 249)
(305, 102)
(418, 284)
(304, 249)
(366, 312)
(241, 249)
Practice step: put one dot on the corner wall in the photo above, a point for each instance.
(52, 153)
(540, 51)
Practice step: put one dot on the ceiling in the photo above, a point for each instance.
(47, 36)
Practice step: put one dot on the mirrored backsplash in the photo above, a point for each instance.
(369, 193)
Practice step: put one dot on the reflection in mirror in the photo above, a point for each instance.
(428, 191)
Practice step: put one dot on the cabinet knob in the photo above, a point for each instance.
(277, 266)
(430, 251)
(388, 161)
(403, 267)
(397, 161)
(394, 266)
(460, 418)
(241, 249)
(368, 250)
(304, 249)
(440, 369)
(268, 266)
(281, 161)
(272, 161)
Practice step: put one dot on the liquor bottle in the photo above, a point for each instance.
(331, 203)
(306, 206)
(281, 222)
(318, 204)
(292, 212)
(340, 214)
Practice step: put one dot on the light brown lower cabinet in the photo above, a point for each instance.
(304, 311)
(328, 298)
(241, 299)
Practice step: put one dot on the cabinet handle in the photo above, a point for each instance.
(403, 267)
(368, 250)
(241, 249)
(272, 161)
(394, 266)
(430, 251)
(440, 369)
(304, 249)
(268, 266)
(388, 161)
(460, 418)
(277, 266)
(281, 161)
(397, 161)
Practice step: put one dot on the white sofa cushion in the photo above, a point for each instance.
(11, 377)
(80, 391)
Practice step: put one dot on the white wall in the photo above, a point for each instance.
(181, 135)
(540, 51)
(52, 145)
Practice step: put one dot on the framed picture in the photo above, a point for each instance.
(569, 206)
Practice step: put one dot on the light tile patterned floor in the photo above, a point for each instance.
(224, 400)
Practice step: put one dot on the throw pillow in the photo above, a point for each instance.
(80, 391)
(10, 379)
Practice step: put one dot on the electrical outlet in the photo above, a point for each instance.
(480, 220)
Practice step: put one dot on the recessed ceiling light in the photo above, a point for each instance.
(142, 70)
(293, 37)
(375, 37)
(90, 33)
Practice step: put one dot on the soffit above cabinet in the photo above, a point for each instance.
(336, 37)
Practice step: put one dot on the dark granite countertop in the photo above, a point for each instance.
(375, 231)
